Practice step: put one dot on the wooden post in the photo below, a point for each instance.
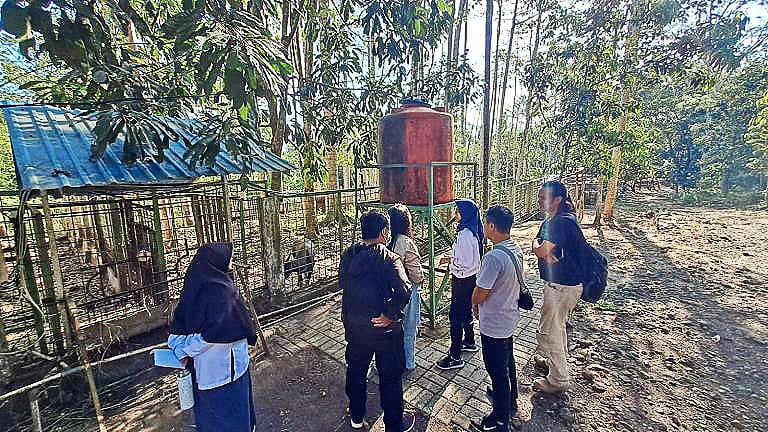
(83, 351)
(5, 364)
(243, 242)
(613, 185)
(167, 222)
(249, 303)
(599, 204)
(58, 277)
(28, 283)
(118, 242)
(228, 234)
(34, 408)
(158, 253)
(199, 229)
(582, 196)
(270, 226)
(49, 289)
(131, 247)
(3, 265)
(341, 218)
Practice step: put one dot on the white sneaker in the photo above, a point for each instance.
(362, 425)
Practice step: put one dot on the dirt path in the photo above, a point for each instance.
(681, 341)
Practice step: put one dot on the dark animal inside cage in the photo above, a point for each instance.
(301, 260)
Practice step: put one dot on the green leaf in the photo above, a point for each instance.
(282, 67)
(243, 114)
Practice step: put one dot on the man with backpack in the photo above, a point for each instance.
(572, 269)
(495, 302)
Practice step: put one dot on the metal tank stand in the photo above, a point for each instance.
(439, 238)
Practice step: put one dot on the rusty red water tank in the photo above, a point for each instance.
(415, 134)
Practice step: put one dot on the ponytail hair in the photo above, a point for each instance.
(557, 189)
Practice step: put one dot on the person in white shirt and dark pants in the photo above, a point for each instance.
(464, 265)
(210, 333)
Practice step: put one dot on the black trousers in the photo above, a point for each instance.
(499, 359)
(460, 314)
(390, 363)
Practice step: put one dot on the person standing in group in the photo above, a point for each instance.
(464, 265)
(375, 290)
(556, 247)
(210, 333)
(495, 302)
(403, 245)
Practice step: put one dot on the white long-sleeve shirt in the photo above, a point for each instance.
(216, 364)
(466, 255)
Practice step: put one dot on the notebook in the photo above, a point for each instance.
(166, 358)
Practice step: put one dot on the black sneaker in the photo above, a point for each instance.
(362, 424)
(512, 409)
(468, 347)
(488, 424)
(450, 363)
(409, 421)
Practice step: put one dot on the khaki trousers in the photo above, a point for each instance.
(559, 301)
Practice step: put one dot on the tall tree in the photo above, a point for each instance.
(486, 145)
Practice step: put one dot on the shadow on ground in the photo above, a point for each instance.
(305, 392)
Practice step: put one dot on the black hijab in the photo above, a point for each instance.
(210, 304)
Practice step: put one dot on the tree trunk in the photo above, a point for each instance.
(331, 161)
(310, 215)
(505, 80)
(277, 118)
(495, 87)
(724, 183)
(278, 110)
(486, 149)
(613, 185)
(461, 16)
(633, 30)
(521, 172)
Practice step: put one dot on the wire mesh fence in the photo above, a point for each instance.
(123, 257)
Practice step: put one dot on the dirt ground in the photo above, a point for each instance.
(681, 341)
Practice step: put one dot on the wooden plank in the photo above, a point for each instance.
(58, 277)
(49, 288)
(83, 351)
(29, 285)
(34, 408)
(228, 234)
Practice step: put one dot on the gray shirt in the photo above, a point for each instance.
(499, 313)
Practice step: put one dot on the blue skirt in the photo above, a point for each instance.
(227, 408)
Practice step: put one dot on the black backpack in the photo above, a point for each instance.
(594, 267)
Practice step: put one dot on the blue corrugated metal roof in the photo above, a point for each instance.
(52, 150)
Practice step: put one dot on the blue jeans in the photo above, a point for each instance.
(411, 323)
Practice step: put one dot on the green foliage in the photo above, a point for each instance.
(7, 167)
(152, 60)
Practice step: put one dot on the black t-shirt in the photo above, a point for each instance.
(567, 237)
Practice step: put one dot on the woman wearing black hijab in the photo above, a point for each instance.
(210, 333)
